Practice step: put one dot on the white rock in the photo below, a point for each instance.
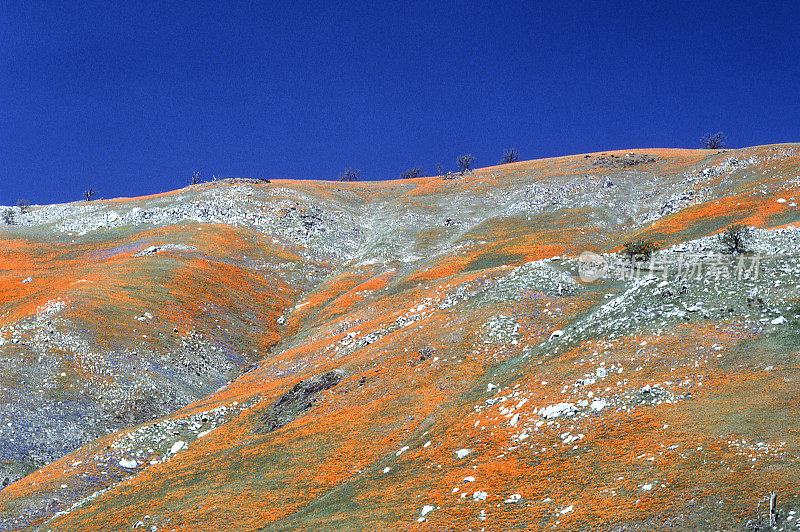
(402, 450)
(386, 469)
(780, 320)
(557, 334)
(27, 280)
(177, 446)
(513, 498)
(598, 405)
(490, 387)
(148, 315)
(461, 453)
(128, 464)
(560, 409)
(469, 479)
(566, 509)
(426, 510)
(514, 420)
(427, 444)
(479, 496)
(781, 200)
(647, 487)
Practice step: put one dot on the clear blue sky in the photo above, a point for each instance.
(131, 99)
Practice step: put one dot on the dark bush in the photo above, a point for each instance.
(734, 239)
(639, 249)
(713, 142)
(24, 206)
(465, 163)
(411, 173)
(8, 217)
(349, 175)
(89, 193)
(196, 178)
(511, 156)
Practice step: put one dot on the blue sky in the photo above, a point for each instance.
(131, 97)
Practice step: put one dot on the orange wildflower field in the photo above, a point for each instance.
(421, 354)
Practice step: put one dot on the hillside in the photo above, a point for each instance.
(424, 354)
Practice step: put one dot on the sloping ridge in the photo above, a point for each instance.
(408, 354)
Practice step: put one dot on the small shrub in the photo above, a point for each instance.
(9, 218)
(713, 142)
(639, 249)
(195, 177)
(439, 169)
(89, 193)
(465, 163)
(511, 156)
(411, 173)
(349, 175)
(24, 206)
(734, 239)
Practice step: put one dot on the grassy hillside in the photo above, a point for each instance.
(418, 354)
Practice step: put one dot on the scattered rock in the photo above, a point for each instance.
(297, 400)
(152, 250)
(615, 161)
(557, 410)
(128, 464)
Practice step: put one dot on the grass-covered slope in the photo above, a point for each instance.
(417, 354)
